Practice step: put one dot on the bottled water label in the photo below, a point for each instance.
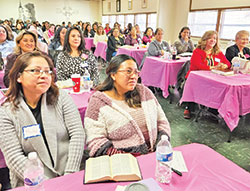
(34, 181)
(164, 157)
(86, 78)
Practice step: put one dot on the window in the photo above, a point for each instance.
(112, 20)
(120, 20)
(199, 23)
(232, 21)
(129, 19)
(105, 19)
(143, 20)
(152, 21)
(140, 19)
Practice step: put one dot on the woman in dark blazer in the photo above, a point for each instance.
(239, 49)
(114, 42)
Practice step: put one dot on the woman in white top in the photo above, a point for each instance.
(100, 36)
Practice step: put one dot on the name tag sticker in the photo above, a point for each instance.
(216, 59)
(31, 131)
(84, 65)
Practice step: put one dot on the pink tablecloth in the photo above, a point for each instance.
(207, 171)
(161, 73)
(89, 43)
(101, 50)
(229, 94)
(1, 79)
(137, 54)
(81, 100)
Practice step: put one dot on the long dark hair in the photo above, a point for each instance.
(19, 66)
(85, 32)
(145, 33)
(6, 31)
(132, 98)
(57, 34)
(81, 48)
(184, 28)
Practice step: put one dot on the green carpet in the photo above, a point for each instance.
(210, 133)
(207, 132)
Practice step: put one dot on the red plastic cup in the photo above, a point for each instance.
(76, 78)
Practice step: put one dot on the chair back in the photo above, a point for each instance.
(181, 77)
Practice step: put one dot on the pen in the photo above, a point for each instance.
(176, 171)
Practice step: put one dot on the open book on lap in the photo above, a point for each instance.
(118, 167)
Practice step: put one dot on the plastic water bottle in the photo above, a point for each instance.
(164, 156)
(236, 67)
(86, 81)
(174, 53)
(33, 173)
(139, 41)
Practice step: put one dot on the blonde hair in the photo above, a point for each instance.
(17, 49)
(239, 34)
(203, 41)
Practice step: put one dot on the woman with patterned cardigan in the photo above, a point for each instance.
(75, 58)
(123, 116)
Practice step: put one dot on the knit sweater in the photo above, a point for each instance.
(108, 125)
(64, 133)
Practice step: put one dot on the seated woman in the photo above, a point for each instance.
(58, 40)
(100, 36)
(94, 27)
(48, 35)
(75, 58)
(148, 35)
(114, 42)
(184, 44)
(128, 29)
(132, 38)
(88, 33)
(26, 41)
(206, 56)
(157, 47)
(34, 101)
(239, 49)
(57, 43)
(124, 116)
(6, 43)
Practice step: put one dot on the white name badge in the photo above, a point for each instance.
(217, 60)
(31, 131)
(84, 65)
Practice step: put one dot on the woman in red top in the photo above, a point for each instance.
(207, 56)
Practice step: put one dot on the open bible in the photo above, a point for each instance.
(118, 167)
(224, 72)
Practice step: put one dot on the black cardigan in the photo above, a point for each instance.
(233, 51)
(112, 46)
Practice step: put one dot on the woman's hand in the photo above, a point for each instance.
(162, 52)
(221, 66)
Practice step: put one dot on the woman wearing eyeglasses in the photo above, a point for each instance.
(123, 116)
(38, 117)
(239, 49)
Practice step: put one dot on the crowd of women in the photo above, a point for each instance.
(122, 115)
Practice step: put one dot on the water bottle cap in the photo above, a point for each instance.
(32, 156)
(137, 186)
(164, 137)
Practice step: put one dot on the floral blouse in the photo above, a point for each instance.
(66, 65)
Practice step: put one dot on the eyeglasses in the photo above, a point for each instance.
(37, 72)
(130, 72)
